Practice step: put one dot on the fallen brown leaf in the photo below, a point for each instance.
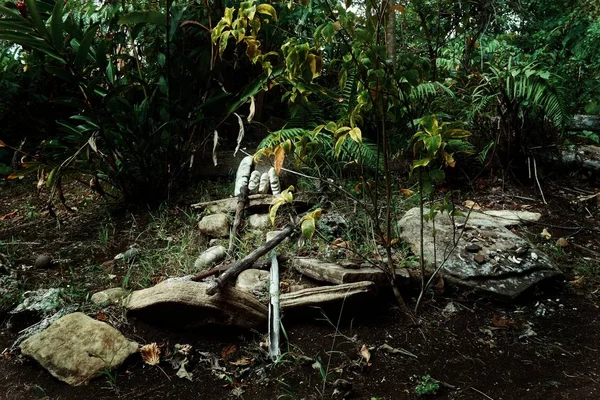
(150, 354)
(500, 322)
(228, 351)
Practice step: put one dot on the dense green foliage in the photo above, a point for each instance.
(128, 92)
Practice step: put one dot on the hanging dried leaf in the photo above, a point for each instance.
(562, 242)
(150, 354)
(215, 143)
(240, 134)
(92, 143)
(279, 158)
(2, 144)
(252, 109)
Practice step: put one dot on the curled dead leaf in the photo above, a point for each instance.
(366, 354)
(150, 354)
(562, 242)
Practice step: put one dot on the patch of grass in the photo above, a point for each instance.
(425, 385)
(168, 247)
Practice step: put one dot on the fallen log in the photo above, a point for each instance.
(324, 294)
(171, 302)
(247, 261)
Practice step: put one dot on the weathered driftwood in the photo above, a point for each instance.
(170, 302)
(250, 259)
(334, 273)
(260, 264)
(229, 205)
(585, 123)
(324, 294)
(239, 213)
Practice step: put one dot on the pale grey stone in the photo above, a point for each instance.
(109, 296)
(209, 257)
(252, 280)
(215, 225)
(77, 348)
(259, 221)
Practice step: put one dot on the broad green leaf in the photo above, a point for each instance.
(56, 26)
(8, 12)
(228, 17)
(420, 163)
(16, 26)
(433, 143)
(51, 178)
(144, 17)
(356, 134)
(308, 227)
(338, 145)
(267, 9)
(36, 17)
(457, 134)
(84, 47)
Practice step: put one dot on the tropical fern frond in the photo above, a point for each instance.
(429, 89)
(348, 95)
(363, 153)
(305, 116)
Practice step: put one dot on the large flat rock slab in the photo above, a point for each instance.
(77, 348)
(480, 252)
(334, 273)
(185, 303)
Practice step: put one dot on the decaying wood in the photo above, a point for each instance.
(324, 294)
(229, 205)
(247, 261)
(260, 264)
(170, 302)
(334, 273)
(239, 212)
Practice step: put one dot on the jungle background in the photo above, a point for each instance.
(116, 116)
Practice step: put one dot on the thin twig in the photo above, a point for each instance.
(538, 181)
(481, 393)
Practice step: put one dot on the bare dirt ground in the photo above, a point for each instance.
(547, 346)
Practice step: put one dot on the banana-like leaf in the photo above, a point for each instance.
(56, 26)
(36, 17)
(84, 47)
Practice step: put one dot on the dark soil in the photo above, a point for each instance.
(545, 347)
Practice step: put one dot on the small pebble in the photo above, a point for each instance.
(472, 248)
(43, 261)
